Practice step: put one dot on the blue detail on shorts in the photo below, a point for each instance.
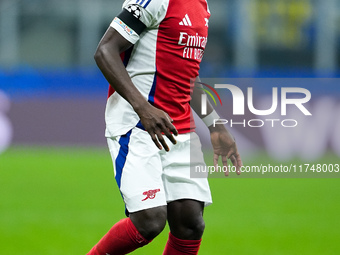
(140, 125)
(151, 98)
(121, 158)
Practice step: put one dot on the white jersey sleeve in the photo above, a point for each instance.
(138, 15)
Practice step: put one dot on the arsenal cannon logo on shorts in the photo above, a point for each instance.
(150, 194)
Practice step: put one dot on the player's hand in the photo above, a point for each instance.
(157, 122)
(224, 145)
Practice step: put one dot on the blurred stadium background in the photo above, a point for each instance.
(57, 194)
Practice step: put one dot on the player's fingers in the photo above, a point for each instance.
(230, 153)
(172, 128)
(155, 140)
(224, 161)
(237, 157)
(239, 161)
(235, 164)
(162, 141)
(225, 165)
(172, 138)
(169, 136)
(216, 160)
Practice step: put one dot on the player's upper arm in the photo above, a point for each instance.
(125, 29)
(138, 15)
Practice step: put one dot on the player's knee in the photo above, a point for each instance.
(150, 223)
(200, 226)
(195, 228)
(154, 224)
(190, 229)
(154, 227)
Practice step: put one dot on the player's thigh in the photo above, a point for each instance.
(138, 170)
(178, 165)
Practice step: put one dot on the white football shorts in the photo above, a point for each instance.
(148, 177)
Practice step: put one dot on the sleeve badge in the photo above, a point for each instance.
(135, 10)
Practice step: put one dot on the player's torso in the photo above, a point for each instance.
(181, 38)
(182, 35)
(166, 58)
(178, 39)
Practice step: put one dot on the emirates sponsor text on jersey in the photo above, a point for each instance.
(195, 45)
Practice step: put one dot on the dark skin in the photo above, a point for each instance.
(223, 142)
(185, 217)
(155, 121)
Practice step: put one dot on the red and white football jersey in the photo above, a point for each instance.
(169, 38)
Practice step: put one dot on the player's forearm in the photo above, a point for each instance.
(196, 100)
(196, 106)
(111, 65)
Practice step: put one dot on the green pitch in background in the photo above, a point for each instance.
(61, 201)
